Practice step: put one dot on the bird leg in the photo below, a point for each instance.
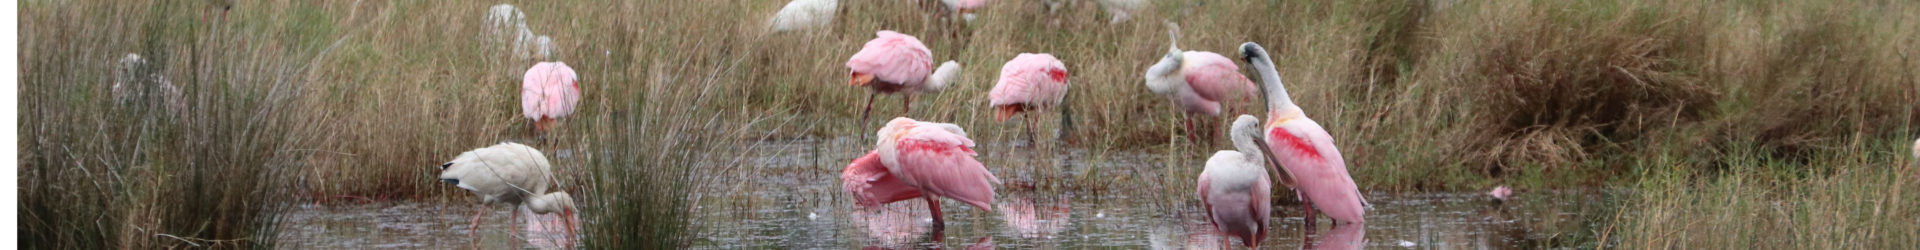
(938, 224)
(863, 115)
(475, 228)
(513, 241)
(906, 104)
(1308, 204)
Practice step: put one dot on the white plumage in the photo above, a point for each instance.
(507, 26)
(136, 84)
(803, 15)
(508, 173)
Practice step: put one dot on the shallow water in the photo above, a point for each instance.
(1091, 199)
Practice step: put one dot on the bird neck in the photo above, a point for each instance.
(1271, 87)
(550, 203)
(942, 76)
(1163, 77)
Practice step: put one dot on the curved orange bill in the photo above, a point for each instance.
(861, 79)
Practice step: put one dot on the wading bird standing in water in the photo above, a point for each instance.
(915, 159)
(1029, 82)
(1235, 188)
(1304, 149)
(1195, 80)
(549, 91)
(512, 174)
(897, 63)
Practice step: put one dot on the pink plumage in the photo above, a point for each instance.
(549, 91)
(871, 185)
(1214, 78)
(896, 60)
(934, 158)
(1028, 82)
(1307, 151)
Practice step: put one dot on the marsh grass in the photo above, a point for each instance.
(355, 101)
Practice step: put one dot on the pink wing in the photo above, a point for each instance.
(940, 163)
(549, 89)
(1306, 150)
(1214, 77)
(895, 58)
(1037, 80)
(871, 185)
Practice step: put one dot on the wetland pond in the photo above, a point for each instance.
(791, 198)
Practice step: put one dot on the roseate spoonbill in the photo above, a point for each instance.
(1235, 188)
(549, 91)
(1195, 80)
(136, 84)
(915, 159)
(1500, 193)
(512, 174)
(804, 14)
(1304, 149)
(507, 26)
(1028, 82)
(1121, 10)
(897, 63)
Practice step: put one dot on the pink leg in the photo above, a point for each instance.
(1030, 140)
(938, 224)
(513, 241)
(475, 228)
(863, 115)
(1189, 121)
(1308, 204)
(906, 104)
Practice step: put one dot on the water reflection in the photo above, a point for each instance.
(1343, 236)
(1030, 219)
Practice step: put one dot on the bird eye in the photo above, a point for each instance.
(443, 166)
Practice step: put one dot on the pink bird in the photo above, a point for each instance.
(549, 92)
(1305, 150)
(1500, 193)
(1235, 188)
(897, 63)
(1197, 81)
(1028, 82)
(920, 160)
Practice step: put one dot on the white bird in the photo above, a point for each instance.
(135, 84)
(1121, 10)
(512, 174)
(1235, 188)
(804, 14)
(507, 26)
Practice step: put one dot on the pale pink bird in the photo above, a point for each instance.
(1235, 188)
(549, 92)
(1197, 81)
(1500, 193)
(1305, 150)
(897, 63)
(921, 159)
(1028, 82)
(1348, 236)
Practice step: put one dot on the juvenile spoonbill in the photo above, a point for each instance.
(512, 174)
(134, 83)
(1235, 188)
(1305, 149)
(548, 92)
(804, 14)
(507, 26)
(1029, 82)
(1197, 81)
(915, 159)
(897, 63)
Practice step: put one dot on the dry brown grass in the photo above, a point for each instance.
(1424, 95)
